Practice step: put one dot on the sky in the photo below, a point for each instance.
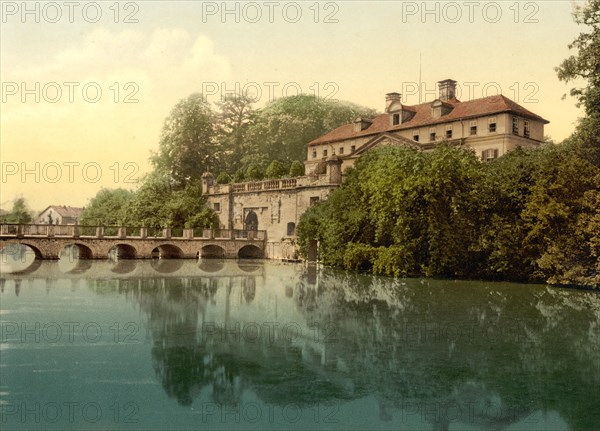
(86, 86)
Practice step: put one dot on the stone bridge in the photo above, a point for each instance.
(99, 242)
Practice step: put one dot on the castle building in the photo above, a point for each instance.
(491, 126)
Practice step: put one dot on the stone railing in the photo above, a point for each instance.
(277, 184)
(124, 232)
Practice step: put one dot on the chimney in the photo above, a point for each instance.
(390, 99)
(447, 89)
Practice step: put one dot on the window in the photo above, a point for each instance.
(396, 119)
(291, 229)
(432, 134)
(526, 129)
(515, 125)
(324, 153)
(314, 154)
(314, 200)
(473, 128)
(341, 150)
(333, 151)
(416, 138)
(217, 206)
(448, 132)
(352, 148)
(489, 154)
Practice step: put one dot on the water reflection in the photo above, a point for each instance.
(18, 258)
(434, 354)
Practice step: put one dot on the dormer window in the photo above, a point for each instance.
(395, 119)
(361, 124)
(439, 108)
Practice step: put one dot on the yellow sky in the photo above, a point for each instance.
(87, 85)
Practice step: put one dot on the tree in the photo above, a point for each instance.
(284, 127)
(157, 205)
(148, 208)
(275, 170)
(296, 169)
(254, 173)
(586, 65)
(187, 145)
(19, 213)
(108, 208)
(223, 178)
(235, 117)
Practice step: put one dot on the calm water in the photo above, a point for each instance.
(265, 345)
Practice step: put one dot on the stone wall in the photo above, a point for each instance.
(274, 205)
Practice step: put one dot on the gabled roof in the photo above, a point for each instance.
(460, 110)
(65, 211)
(387, 137)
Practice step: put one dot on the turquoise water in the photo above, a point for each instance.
(156, 345)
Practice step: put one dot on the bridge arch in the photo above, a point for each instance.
(212, 251)
(250, 251)
(76, 251)
(122, 251)
(12, 248)
(167, 251)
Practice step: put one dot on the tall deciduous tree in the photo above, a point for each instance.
(284, 127)
(235, 117)
(187, 145)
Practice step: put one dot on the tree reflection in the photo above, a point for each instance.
(491, 354)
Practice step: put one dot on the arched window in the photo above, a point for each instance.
(291, 229)
(251, 221)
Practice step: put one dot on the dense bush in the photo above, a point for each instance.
(530, 215)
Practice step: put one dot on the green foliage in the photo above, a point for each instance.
(239, 176)
(531, 215)
(108, 208)
(223, 178)
(275, 170)
(188, 145)
(254, 173)
(296, 169)
(584, 65)
(359, 256)
(284, 127)
(157, 204)
(236, 116)
(19, 213)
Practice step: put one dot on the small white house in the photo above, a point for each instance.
(60, 214)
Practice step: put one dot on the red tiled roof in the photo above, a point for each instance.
(472, 108)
